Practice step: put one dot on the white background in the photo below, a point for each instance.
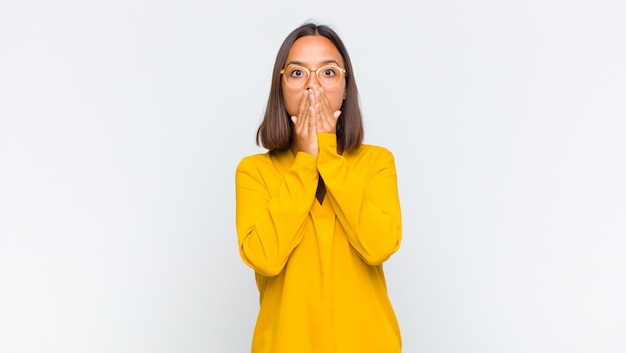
(122, 122)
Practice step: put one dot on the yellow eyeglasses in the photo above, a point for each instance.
(297, 76)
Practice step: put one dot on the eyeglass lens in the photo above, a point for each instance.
(297, 76)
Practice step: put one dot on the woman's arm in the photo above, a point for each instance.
(366, 203)
(269, 225)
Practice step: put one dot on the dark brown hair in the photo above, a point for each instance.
(276, 130)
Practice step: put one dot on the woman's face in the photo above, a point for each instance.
(313, 52)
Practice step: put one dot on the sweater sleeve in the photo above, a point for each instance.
(367, 204)
(268, 222)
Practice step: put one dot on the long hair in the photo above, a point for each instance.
(276, 130)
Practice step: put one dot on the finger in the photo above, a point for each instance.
(310, 112)
(325, 103)
(304, 104)
(312, 119)
(318, 95)
(337, 113)
(303, 110)
(328, 119)
(327, 110)
(312, 99)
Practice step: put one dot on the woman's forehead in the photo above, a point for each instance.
(314, 50)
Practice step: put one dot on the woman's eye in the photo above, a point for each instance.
(296, 73)
(329, 72)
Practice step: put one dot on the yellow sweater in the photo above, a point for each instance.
(319, 267)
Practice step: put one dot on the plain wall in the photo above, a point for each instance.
(122, 123)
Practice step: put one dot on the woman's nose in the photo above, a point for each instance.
(313, 82)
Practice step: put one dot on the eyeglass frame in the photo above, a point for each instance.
(342, 73)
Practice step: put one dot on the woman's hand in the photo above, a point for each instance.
(304, 126)
(314, 116)
(326, 119)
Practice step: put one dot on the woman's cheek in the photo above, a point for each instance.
(336, 101)
(291, 103)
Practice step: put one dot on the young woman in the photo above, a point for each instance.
(319, 213)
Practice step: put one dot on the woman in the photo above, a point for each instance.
(318, 214)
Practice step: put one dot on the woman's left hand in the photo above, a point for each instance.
(326, 119)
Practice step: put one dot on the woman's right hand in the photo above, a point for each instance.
(305, 127)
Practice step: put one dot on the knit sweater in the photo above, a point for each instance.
(319, 266)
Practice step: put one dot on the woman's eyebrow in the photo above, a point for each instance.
(324, 62)
(331, 61)
(294, 63)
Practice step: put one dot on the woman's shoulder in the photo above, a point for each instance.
(370, 158)
(260, 160)
(373, 151)
(253, 160)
